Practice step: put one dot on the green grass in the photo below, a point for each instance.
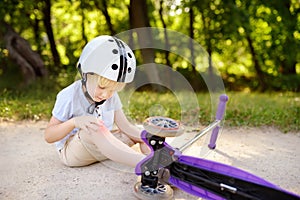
(281, 110)
(31, 103)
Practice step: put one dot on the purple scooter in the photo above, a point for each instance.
(199, 177)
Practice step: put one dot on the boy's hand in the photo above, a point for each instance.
(87, 122)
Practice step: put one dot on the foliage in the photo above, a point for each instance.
(247, 40)
(254, 44)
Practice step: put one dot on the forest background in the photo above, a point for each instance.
(253, 44)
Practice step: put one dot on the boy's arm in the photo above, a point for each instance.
(125, 126)
(57, 130)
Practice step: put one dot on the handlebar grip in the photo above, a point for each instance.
(221, 106)
(219, 116)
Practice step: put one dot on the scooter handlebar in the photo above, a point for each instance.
(221, 107)
(219, 116)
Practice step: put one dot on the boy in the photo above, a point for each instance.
(85, 111)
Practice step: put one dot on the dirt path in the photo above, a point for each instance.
(30, 169)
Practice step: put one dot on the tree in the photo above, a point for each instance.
(254, 41)
(167, 44)
(211, 22)
(288, 20)
(246, 25)
(139, 13)
(19, 49)
(102, 6)
(48, 26)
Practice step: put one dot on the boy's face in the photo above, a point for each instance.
(102, 93)
(97, 92)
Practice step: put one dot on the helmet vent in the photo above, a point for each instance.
(115, 51)
(129, 69)
(111, 40)
(114, 67)
(129, 54)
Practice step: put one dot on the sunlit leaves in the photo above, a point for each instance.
(221, 27)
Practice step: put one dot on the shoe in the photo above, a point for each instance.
(161, 192)
(164, 177)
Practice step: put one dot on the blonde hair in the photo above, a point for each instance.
(112, 85)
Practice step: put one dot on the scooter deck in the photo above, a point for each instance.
(212, 180)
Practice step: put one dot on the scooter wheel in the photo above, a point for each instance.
(163, 126)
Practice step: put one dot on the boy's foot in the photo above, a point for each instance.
(161, 192)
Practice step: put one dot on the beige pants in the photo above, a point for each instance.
(80, 151)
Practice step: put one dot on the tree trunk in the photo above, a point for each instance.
(84, 38)
(211, 76)
(194, 76)
(169, 80)
(49, 30)
(138, 11)
(36, 30)
(259, 72)
(104, 10)
(19, 49)
(191, 30)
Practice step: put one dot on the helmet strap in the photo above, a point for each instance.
(88, 96)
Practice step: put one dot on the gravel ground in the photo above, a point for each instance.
(30, 169)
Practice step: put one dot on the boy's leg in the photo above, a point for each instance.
(92, 148)
(74, 154)
(108, 145)
(105, 145)
(123, 137)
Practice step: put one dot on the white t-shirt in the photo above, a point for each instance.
(71, 102)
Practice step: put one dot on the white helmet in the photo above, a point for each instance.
(109, 57)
